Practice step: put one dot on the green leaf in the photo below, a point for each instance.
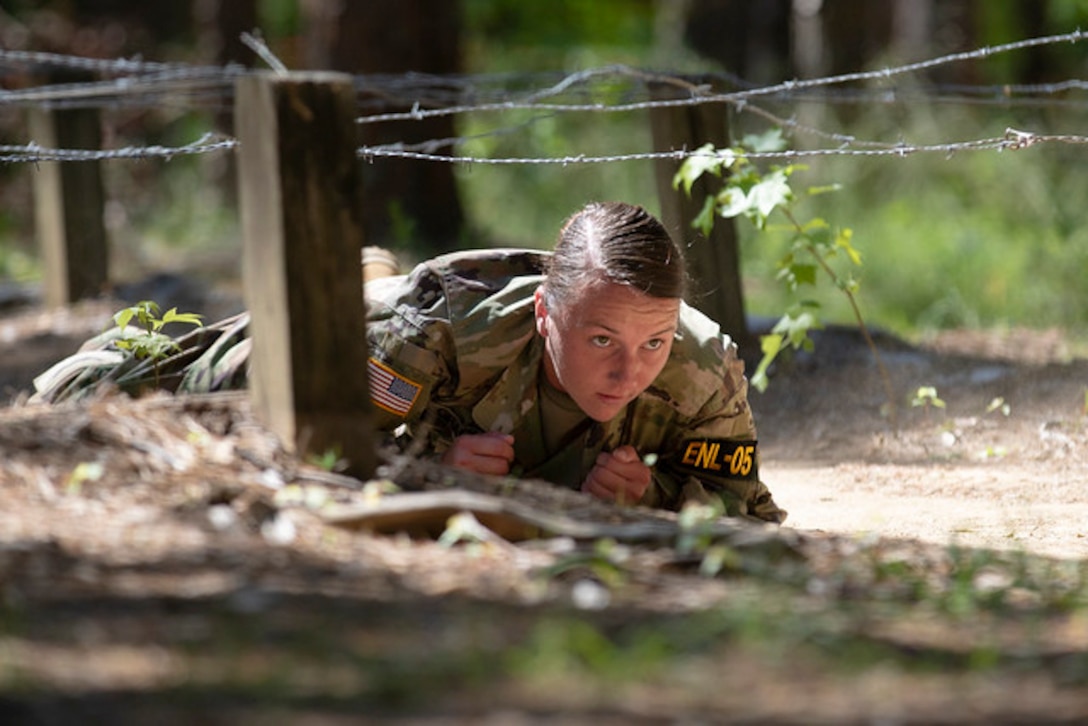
(173, 316)
(146, 312)
(820, 239)
(770, 193)
(790, 168)
(849, 284)
(843, 242)
(802, 274)
(927, 396)
(702, 160)
(704, 222)
(464, 527)
(84, 472)
(771, 345)
(796, 323)
(732, 202)
(122, 317)
(825, 189)
(769, 141)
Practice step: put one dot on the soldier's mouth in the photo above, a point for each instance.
(611, 398)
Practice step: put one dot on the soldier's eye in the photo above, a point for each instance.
(601, 341)
(655, 344)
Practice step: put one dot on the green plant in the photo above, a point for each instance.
(328, 460)
(926, 398)
(999, 404)
(145, 339)
(605, 562)
(747, 191)
(84, 472)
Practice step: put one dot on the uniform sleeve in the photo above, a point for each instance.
(714, 455)
(412, 359)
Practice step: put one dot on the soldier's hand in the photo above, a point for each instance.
(618, 476)
(489, 453)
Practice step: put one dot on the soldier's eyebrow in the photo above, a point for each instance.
(667, 330)
(664, 331)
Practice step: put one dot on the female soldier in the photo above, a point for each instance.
(583, 367)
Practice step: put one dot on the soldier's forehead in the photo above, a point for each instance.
(590, 299)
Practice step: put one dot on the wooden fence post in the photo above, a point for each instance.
(69, 199)
(299, 194)
(716, 259)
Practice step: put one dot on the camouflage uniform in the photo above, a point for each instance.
(454, 350)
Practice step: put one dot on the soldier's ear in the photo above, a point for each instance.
(540, 311)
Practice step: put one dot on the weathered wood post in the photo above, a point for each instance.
(299, 190)
(716, 260)
(69, 199)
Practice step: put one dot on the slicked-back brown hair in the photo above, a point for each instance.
(618, 243)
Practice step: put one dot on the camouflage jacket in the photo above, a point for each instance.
(454, 350)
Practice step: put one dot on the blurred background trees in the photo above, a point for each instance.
(975, 240)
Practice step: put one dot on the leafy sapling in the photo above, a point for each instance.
(144, 337)
(746, 191)
(926, 398)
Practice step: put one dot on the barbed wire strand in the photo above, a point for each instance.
(162, 81)
(256, 43)
(221, 82)
(209, 143)
(32, 152)
(1012, 140)
(701, 95)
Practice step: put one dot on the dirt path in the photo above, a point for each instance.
(975, 506)
(974, 472)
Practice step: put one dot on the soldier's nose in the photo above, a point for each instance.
(623, 368)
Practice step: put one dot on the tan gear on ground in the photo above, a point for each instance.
(378, 262)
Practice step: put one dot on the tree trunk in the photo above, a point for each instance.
(409, 205)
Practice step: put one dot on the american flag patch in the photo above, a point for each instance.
(390, 390)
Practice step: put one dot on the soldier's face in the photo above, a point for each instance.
(606, 345)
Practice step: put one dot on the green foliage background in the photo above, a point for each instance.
(979, 239)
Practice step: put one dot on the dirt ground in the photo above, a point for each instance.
(142, 542)
(972, 472)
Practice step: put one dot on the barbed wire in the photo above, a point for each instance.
(32, 60)
(789, 125)
(183, 85)
(209, 143)
(138, 81)
(702, 93)
(32, 152)
(1012, 140)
